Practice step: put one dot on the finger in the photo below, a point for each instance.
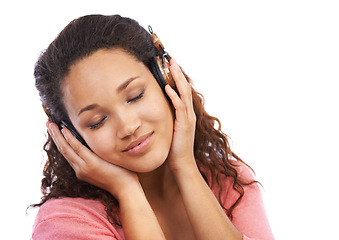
(64, 147)
(82, 151)
(180, 108)
(184, 88)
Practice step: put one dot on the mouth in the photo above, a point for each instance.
(140, 145)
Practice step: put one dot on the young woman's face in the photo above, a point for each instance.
(119, 109)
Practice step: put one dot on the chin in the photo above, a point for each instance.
(149, 168)
(148, 163)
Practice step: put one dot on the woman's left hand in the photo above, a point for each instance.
(181, 153)
(194, 190)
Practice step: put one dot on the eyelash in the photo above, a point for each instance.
(97, 125)
(137, 98)
(94, 126)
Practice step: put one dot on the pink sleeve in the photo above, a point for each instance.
(66, 219)
(249, 216)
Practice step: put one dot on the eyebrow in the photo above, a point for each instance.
(122, 87)
(88, 108)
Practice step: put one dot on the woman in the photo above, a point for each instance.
(149, 163)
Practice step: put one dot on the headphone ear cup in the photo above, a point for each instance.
(161, 71)
(75, 133)
(155, 69)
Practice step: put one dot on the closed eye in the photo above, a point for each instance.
(137, 97)
(98, 124)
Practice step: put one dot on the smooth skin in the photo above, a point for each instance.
(161, 192)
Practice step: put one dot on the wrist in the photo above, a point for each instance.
(187, 168)
(127, 192)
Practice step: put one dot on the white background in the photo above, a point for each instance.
(268, 69)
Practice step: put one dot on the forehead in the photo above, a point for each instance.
(114, 64)
(99, 74)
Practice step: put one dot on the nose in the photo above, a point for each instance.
(128, 123)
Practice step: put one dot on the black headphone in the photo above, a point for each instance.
(159, 68)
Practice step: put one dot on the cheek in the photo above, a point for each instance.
(102, 143)
(157, 111)
(159, 116)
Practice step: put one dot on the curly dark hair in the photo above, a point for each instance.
(79, 39)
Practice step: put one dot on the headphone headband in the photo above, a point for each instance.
(158, 45)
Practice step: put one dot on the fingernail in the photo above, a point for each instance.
(63, 129)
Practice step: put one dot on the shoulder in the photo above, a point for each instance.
(66, 218)
(249, 216)
(227, 187)
(65, 206)
(245, 173)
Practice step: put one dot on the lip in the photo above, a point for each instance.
(140, 145)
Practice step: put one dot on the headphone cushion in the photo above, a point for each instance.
(157, 73)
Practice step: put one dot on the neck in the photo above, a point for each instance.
(158, 184)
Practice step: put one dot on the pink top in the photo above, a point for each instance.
(77, 218)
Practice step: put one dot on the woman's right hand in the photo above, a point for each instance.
(137, 216)
(91, 168)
